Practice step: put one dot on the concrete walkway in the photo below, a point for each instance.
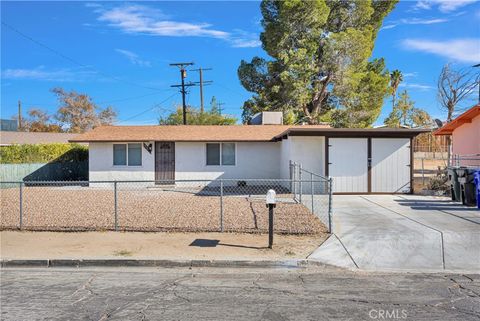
(402, 232)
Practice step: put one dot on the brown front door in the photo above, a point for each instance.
(165, 162)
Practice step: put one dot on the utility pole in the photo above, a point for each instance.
(183, 75)
(19, 121)
(201, 83)
(220, 107)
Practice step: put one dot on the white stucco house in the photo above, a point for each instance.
(359, 160)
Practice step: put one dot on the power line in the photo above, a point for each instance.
(229, 89)
(58, 53)
(108, 101)
(147, 110)
(128, 98)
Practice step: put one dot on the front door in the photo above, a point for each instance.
(165, 162)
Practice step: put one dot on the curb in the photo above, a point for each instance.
(295, 263)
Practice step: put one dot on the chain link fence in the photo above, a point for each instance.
(313, 191)
(430, 172)
(235, 205)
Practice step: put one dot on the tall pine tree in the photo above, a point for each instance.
(319, 68)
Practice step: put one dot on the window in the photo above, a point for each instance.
(223, 153)
(228, 153)
(134, 154)
(213, 154)
(119, 154)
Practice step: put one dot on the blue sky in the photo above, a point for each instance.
(119, 52)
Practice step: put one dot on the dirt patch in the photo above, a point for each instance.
(78, 208)
(160, 245)
(430, 169)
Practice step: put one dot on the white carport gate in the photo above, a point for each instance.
(369, 165)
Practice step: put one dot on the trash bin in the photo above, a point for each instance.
(476, 179)
(467, 186)
(454, 183)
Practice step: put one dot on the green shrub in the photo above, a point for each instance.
(43, 153)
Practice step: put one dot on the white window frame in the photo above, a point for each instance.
(220, 150)
(126, 155)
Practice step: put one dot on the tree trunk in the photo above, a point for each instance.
(450, 108)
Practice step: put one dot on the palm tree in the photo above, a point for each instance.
(396, 78)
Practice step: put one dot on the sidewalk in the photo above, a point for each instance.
(15, 245)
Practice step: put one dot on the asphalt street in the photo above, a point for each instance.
(234, 294)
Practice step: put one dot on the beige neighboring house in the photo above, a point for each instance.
(8, 138)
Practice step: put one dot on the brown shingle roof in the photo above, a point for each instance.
(10, 138)
(186, 133)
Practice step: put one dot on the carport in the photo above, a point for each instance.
(402, 232)
(360, 161)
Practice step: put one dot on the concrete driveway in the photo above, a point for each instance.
(402, 232)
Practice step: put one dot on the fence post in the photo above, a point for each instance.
(423, 173)
(116, 204)
(300, 181)
(290, 168)
(221, 205)
(21, 204)
(311, 187)
(330, 192)
(293, 178)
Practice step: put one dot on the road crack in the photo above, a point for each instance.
(87, 286)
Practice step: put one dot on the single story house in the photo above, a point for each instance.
(465, 136)
(358, 160)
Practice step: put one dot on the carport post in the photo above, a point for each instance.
(221, 205)
(330, 192)
(21, 204)
(116, 204)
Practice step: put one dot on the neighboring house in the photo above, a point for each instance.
(10, 125)
(465, 133)
(10, 138)
(66, 167)
(359, 160)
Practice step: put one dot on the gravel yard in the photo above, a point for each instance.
(78, 208)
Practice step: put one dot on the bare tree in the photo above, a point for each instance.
(454, 86)
(39, 121)
(78, 113)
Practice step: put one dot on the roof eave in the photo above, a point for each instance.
(351, 132)
(170, 140)
(464, 118)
